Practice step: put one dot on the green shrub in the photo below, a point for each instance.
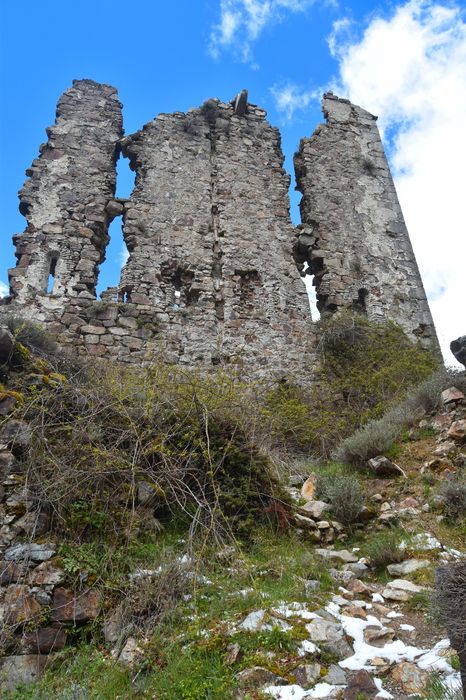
(384, 549)
(345, 495)
(28, 335)
(377, 436)
(193, 439)
(453, 492)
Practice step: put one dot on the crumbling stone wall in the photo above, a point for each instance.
(210, 213)
(353, 237)
(64, 200)
(210, 278)
(213, 272)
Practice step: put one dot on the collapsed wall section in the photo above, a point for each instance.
(353, 237)
(64, 200)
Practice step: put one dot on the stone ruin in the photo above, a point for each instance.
(215, 264)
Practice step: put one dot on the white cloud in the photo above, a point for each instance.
(124, 255)
(4, 289)
(410, 69)
(242, 21)
(290, 97)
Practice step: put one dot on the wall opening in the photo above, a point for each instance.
(116, 253)
(309, 283)
(52, 273)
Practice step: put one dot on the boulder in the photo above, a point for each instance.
(47, 574)
(131, 653)
(16, 434)
(24, 669)
(407, 567)
(324, 631)
(254, 622)
(79, 607)
(335, 675)
(457, 430)
(315, 509)
(458, 348)
(337, 555)
(35, 552)
(308, 489)
(360, 685)
(44, 640)
(255, 678)
(411, 678)
(307, 674)
(20, 605)
(11, 572)
(452, 395)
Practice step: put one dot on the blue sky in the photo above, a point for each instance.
(392, 58)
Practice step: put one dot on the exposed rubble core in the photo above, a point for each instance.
(211, 276)
(353, 236)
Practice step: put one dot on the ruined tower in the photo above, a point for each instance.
(213, 275)
(64, 200)
(353, 237)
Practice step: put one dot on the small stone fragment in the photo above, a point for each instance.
(307, 674)
(24, 669)
(338, 555)
(383, 467)
(255, 678)
(457, 430)
(408, 566)
(411, 678)
(452, 395)
(360, 685)
(378, 636)
(79, 607)
(35, 552)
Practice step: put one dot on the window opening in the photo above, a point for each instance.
(51, 277)
(309, 283)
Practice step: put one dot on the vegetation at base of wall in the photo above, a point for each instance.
(377, 436)
(366, 368)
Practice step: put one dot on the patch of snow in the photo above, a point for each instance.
(407, 628)
(377, 598)
(392, 614)
(294, 610)
(382, 693)
(307, 647)
(424, 541)
(322, 690)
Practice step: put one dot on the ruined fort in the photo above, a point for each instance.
(215, 263)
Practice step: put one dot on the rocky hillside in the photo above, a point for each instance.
(155, 542)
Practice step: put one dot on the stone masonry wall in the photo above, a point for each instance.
(210, 237)
(65, 198)
(353, 236)
(213, 272)
(210, 277)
